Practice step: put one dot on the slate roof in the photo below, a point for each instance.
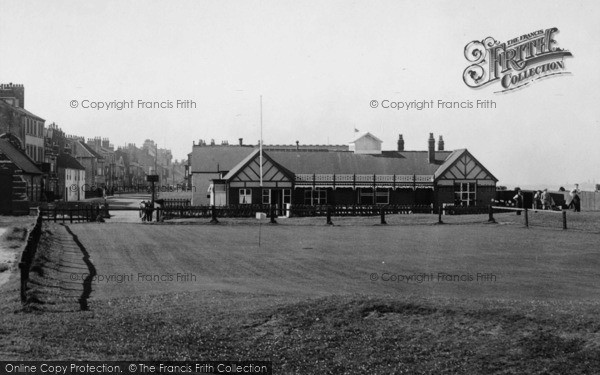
(386, 163)
(22, 111)
(68, 162)
(89, 149)
(20, 158)
(218, 158)
(232, 158)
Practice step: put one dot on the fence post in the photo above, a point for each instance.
(491, 213)
(440, 211)
(382, 211)
(564, 217)
(329, 222)
(526, 218)
(213, 219)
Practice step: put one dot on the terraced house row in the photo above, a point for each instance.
(41, 163)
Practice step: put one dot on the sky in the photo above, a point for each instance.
(318, 66)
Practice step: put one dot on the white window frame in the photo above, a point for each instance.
(382, 193)
(267, 196)
(287, 196)
(314, 197)
(365, 193)
(245, 196)
(466, 193)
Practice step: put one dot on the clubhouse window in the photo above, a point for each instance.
(465, 193)
(245, 196)
(315, 197)
(287, 196)
(382, 196)
(266, 196)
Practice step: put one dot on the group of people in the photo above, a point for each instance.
(146, 210)
(542, 200)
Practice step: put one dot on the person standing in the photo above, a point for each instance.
(143, 210)
(537, 200)
(518, 198)
(547, 201)
(575, 198)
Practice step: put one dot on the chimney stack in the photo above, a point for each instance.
(241, 141)
(441, 144)
(400, 143)
(431, 148)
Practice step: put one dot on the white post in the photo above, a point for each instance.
(261, 142)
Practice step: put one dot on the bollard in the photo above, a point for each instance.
(526, 218)
(491, 213)
(273, 215)
(382, 211)
(440, 211)
(213, 215)
(564, 215)
(329, 222)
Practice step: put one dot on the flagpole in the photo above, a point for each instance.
(261, 142)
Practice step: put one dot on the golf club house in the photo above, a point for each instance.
(357, 174)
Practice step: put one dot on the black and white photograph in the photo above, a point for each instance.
(299, 187)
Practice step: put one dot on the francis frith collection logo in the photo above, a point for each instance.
(516, 63)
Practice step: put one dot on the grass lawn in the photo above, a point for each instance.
(470, 298)
(13, 236)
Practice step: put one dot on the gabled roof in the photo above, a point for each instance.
(255, 154)
(68, 162)
(453, 159)
(367, 134)
(19, 158)
(386, 163)
(218, 158)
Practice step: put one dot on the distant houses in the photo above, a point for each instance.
(43, 163)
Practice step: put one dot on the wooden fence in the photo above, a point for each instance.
(74, 214)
